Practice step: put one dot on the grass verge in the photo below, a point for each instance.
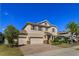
(77, 48)
(64, 45)
(8, 51)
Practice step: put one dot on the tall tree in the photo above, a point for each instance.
(73, 28)
(11, 33)
(77, 32)
(1, 38)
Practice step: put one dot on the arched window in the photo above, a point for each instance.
(53, 29)
(45, 23)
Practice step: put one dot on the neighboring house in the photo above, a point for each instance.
(64, 34)
(37, 33)
(68, 34)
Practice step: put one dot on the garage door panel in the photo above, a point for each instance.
(36, 40)
(22, 41)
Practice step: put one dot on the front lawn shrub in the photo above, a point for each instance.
(57, 39)
(55, 43)
(60, 40)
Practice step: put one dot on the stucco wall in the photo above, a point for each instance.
(28, 28)
(37, 32)
(50, 30)
(33, 33)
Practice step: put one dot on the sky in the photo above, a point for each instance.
(20, 13)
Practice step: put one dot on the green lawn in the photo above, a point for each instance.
(64, 45)
(7, 51)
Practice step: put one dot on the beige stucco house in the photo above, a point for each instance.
(37, 33)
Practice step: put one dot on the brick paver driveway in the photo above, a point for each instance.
(37, 48)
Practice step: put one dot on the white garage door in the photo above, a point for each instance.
(22, 41)
(36, 40)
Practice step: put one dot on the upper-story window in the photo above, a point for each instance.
(43, 29)
(45, 23)
(46, 29)
(34, 28)
(53, 29)
(39, 29)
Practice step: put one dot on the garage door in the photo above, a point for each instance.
(36, 40)
(22, 41)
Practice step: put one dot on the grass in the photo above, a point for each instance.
(64, 45)
(77, 48)
(7, 51)
(55, 43)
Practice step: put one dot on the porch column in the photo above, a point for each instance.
(28, 40)
(53, 37)
(50, 39)
(45, 39)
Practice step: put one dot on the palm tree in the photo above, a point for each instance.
(77, 33)
(11, 33)
(73, 28)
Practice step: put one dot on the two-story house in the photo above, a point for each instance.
(37, 33)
